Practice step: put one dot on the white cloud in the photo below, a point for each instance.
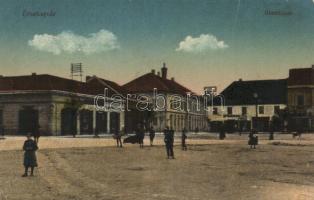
(202, 43)
(69, 42)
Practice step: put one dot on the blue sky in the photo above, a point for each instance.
(203, 42)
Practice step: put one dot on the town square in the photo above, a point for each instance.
(156, 99)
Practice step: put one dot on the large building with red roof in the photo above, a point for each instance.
(175, 106)
(53, 105)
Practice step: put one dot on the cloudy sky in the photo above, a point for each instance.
(203, 42)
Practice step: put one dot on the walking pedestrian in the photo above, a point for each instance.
(271, 135)
(271, 132)
(151, 135)
(169, 139)
(253, 139)
(240, 128)
(117, 136)
(222, 133)
(183, 138)
(140, 135)
(30, 161)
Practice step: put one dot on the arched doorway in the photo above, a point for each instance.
(86, 122)
(68, 121)
(28, 121)
(101, 122)
(114, 121)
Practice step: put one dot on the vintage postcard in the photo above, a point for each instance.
(157, 99)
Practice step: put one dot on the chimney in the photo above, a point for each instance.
(87, 78)
(312, 66)
(153, 71)
(164, 71)
(158, 73)
(172, 78)
(33, 74)
(240, 79)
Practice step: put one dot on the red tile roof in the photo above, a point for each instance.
(103, 83)
(149, 81)
(50, 82)
(93, 86)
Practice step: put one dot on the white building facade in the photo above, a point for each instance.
(246, 105)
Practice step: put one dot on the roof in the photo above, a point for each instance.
(147, 82)
(301, 76)
(49, 82)
(268, 91)
(113, 87)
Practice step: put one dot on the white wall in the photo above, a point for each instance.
(237, 110)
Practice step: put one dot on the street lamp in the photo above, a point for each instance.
(255, 95)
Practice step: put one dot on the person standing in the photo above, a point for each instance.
(271, 132)
(140, 135)
(151, 135)
(117, 136)
(253, 139)
(222, 133)
(30, 161)
(183, 138)
(271, 135)
(240, 128)
(169, 142)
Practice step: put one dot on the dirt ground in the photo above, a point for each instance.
(210, 169)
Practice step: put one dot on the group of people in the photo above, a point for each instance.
(140, 135)
(252, 137)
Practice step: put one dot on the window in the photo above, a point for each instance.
(171, 121)
(261, 110)
(155, 121)
(276, 109)
(244, 110)
(215, 111)
(229, 110)
(172, 104)
(300, 100)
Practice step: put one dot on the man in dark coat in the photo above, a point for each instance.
(169, 139)
(183, 138)
(222, 133)
(30, 161)
(140, 135)
(253, 139)
(151, 135)
(117, 136)
(271, 132)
